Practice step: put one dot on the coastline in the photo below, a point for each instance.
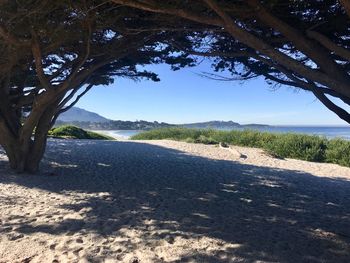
(118, 134)
(330, 132)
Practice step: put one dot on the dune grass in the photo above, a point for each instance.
(289, 145)
(74, 132)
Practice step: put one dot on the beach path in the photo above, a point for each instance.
(166, 201)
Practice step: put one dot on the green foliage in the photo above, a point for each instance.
(338, 151)
(206, 140)
(76, 133)
(297, 146)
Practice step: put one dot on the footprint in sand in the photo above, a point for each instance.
(96, 250)
(6, 229)
(76, 252)
(79, 240)
(53, 246)
(14, 236)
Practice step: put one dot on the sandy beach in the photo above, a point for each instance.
(166, 201)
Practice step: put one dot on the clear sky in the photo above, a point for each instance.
(183, 97)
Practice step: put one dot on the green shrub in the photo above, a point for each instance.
(298, 146)
(303, 147)
(76, 133)
(338, 151)
(206, 140)
(189, 140)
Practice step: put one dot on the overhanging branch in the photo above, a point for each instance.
(346, 5)
(327, 43)
(62, 110)
(38, 61)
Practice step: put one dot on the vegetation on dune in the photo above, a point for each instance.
(73, 132)
(338, 151)
(289, 145)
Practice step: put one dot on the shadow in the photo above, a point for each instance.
(140, 196)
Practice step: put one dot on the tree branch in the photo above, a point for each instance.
(89, 87)
(245, 37)
(38, 61)
(10, 39)
(327, 43)
(312, 50)
(62, 110)
(346, 5)
(155, 8)
(86, 55)
(269, 76)
(343, 114)
(116, 53)
(259, 45)
(319, 93)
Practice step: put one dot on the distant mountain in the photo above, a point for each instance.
(117, 125)
(212, 124)
(77, 114)
(221, 125)
(90, 120)
(254, 125)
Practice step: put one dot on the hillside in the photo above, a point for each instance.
(93, 121)
(116, 125)
(212, 124)
(90, 120)
(220, 125)
(78, 114)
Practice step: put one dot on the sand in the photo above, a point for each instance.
(166, 201)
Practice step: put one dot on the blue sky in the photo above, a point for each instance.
(184, 96)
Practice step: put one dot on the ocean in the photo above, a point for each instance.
(328, 132)
(120, 134)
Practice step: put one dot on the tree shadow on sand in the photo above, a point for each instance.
(164, 196)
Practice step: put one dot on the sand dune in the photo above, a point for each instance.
(165, 201)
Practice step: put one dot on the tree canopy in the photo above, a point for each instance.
(303, 44)
(53, 52)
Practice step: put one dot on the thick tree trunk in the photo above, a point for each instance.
(25, 157)
(35, 156)
(25, 146)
